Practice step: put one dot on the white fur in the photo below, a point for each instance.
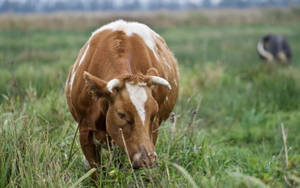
(84, 54)
(72, 78)
(137, 156)
(67, 82)
(175, 82)
(96, 142)
(282, 56)
(142, 30)
(74, 68)
(138, 97)
(263, 52)
(154, 154)
(112, 84)
(160, 81)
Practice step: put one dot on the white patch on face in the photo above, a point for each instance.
(84, 54)
(142, 30)
(138, 97)
(112, 84)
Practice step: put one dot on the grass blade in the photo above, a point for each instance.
(186, 175)
(86, 175)
(254, 181)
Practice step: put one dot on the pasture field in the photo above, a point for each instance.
(226, 131)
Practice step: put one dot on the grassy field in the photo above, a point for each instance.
(227, 131)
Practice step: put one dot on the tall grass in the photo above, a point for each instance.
(225, 130)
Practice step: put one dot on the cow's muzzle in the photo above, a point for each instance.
(144, 159)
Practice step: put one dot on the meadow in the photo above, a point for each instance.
(227, 125)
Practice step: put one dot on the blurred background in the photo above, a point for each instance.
(141, 5)
(232, 113)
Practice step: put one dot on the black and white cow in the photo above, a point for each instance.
(274, 47)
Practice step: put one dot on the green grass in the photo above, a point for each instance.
(229, 113)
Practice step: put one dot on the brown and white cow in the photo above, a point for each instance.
(125, 79)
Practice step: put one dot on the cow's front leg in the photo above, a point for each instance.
(88, 146)
(90, 150)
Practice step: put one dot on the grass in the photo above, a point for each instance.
(227, 131)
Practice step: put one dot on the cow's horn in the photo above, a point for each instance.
(112, 84)
(160, 81)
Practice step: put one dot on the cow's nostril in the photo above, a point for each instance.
(135, 167)
(145, 164)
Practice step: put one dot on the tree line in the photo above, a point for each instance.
(94, 5)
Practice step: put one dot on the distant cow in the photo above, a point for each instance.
(123, 84)
(271, 47)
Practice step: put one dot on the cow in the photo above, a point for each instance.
(122, 86)
(274, 47)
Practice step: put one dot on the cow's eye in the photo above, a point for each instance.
(121, 115)
(130, 122)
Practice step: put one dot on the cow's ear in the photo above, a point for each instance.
(95, 85)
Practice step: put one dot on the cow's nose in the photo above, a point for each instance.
(135, 166)
(144, 159)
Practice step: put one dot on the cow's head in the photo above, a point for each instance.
(132, 113)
